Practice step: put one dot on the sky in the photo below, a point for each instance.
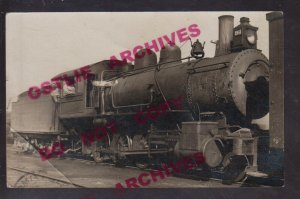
(42, 45)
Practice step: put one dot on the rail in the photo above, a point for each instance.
(45, 176)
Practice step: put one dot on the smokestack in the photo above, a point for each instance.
(225, 34)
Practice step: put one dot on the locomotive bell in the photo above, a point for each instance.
(197, 50)
(169, 53)
(144, 57)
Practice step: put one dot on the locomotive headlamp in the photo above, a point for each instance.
(244, 36)
(251, 37)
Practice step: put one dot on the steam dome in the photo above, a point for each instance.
(144, 57)
(170, 52)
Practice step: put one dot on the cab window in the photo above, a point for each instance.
(69, 88)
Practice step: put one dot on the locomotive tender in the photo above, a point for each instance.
(221, 97)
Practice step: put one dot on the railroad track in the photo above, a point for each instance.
(110, 163)
(89, 160)
(29, 179)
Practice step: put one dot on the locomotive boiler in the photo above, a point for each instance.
(220, 98)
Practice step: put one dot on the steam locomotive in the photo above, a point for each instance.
(221, 96)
